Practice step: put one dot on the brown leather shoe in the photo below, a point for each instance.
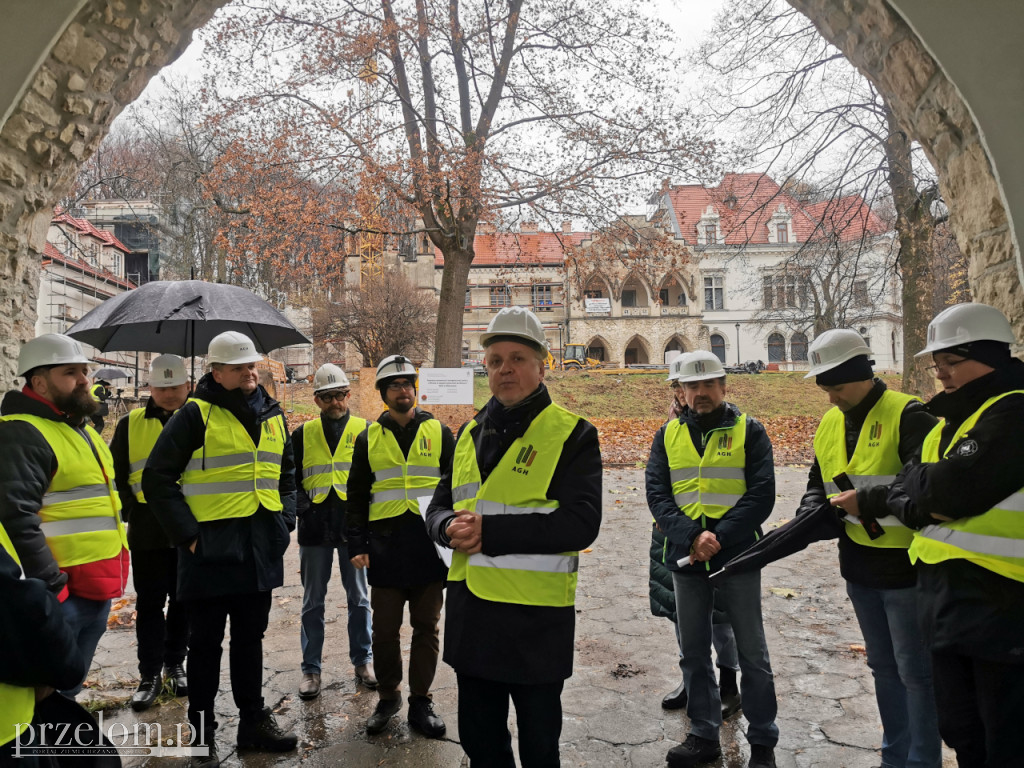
(365, 675)
(309, 688)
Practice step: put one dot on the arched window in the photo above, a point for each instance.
(776, 348)
(718, 346)
(798, 347)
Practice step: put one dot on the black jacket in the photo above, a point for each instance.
(401, 553)
(873, 567)
(740, 526)
(964, 608)
(27, 464)
(233, 556)
(504, 641)
(144, 532)
(323, 523)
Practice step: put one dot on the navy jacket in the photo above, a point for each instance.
(323, 523)
(740, 526)
(233, 556)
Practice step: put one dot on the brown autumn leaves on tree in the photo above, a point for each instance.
(445, 114)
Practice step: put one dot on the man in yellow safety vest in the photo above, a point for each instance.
(162, 642)
(521, 499)
(396, 464)
(964, 498)
(221, 482)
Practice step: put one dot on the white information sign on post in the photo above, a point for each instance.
(445, 386)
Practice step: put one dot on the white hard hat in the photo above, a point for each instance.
(964, 323)
(329, 376)
(394, 366)
(50, 349)
(518, 322)
(675, 367)
(698, 366)
(233, 348)
(167, 371)
(833, 348)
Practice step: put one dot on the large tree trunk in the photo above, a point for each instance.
(451, 308)
(915, 227)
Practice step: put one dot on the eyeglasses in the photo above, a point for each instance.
(945, 367)
(675, 385)
(328, 397)
(398, 386)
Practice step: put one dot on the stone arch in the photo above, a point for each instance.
(636, 351)
(674, 278)
(634, 277)
(595, 277)
(675, 342)
(598, 348)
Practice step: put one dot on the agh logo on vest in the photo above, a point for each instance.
(725, 445)
(425, 443)
(524, 460)
(875, 435)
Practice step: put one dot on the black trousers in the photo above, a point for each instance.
(980, 704)
(163, 642)
(249, 614)
(483, 722)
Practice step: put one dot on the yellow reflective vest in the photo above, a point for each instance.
(142, 436)
(517, 486)
(229, 475)
(17, 704)
(398, 480)
(712, 484)
(321, 470)
(81, 509)
(993, 539)
(875, 461)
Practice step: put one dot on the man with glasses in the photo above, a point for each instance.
(396, 464)
(323, 456)
(964, 496)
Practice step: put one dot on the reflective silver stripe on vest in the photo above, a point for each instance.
(1012, 503)
(76, 494)
(268, 457)
(136, 488)
(975, 542)
(396, 494)
(218, 462)
(388, 474)
(684, 473)
(342, 466)
(135, 466)
(327, 489)
(230, 486)
(78, 525)
(695, 497)
(416, 471)
(862, 481)
(711, 473)
(486, 507)
(465, 491)
(316, 469)
(545, 563)
(887, 522)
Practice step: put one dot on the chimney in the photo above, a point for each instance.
(566, 227)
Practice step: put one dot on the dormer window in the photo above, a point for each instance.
(780, 227)
(708, 230)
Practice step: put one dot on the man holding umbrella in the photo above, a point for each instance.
(868, 435)
(221, 481)
(101, 393)
(162, 643)
(710, 485)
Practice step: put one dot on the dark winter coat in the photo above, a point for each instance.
(236, 555)
(323, 523)
(144, 531)
(964, 608)
(661, 591)
(872, 567)
(740, 526)
(401, 553)
(506, 642)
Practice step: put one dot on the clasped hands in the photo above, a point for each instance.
(465, 531)
(704, 548)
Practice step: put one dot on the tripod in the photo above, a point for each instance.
(118, 407)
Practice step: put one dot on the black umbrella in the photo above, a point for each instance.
(819, 524)
(109, 374)
(182, 317)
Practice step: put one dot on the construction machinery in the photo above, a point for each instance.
(575, 357)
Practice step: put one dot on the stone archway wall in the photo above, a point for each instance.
(99, 64)
(885, 49)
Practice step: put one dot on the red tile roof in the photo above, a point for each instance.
(86, 228)
(51, 253)
(517, 248)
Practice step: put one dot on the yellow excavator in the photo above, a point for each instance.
(575, 357)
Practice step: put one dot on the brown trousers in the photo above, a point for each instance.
(388, 604)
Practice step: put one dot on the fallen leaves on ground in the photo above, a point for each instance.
(857, 648)
(785, 592)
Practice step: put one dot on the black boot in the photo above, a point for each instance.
(386, 709)
(424, 719)
(761, 756)
(730, 692)
(261, 731)
(179, 680)
(676, 699)
(212, 760)
(149, 688)
(694, 751)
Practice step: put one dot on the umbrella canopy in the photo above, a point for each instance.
(182, 317)
(109, 374)
(788, 539)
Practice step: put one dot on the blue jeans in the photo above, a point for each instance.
(88, 621)
(724, 641)
(740, 598)
(315, 569)
(902, 669)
